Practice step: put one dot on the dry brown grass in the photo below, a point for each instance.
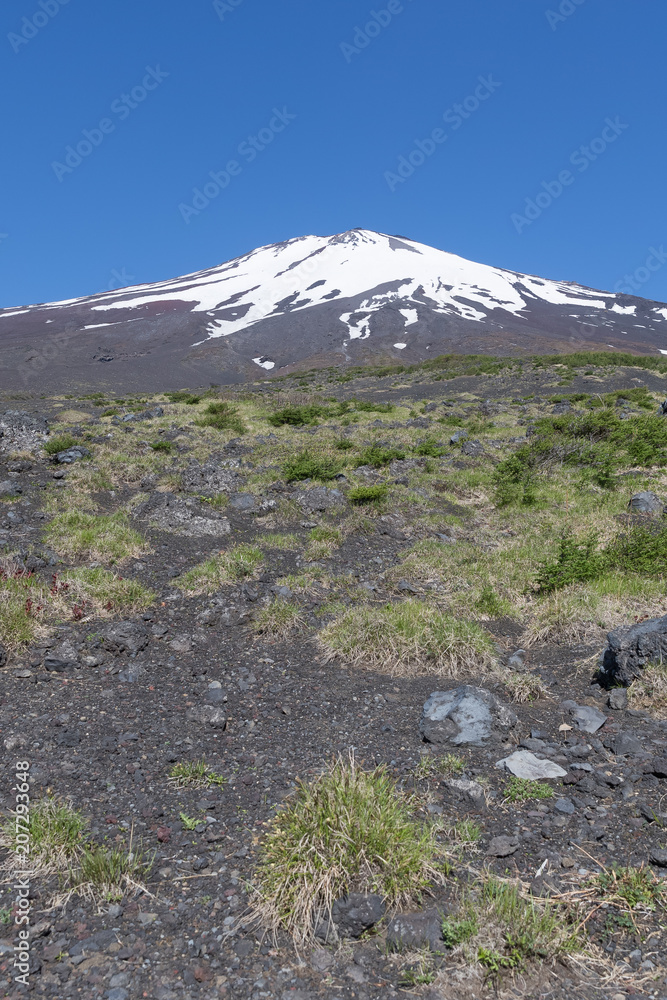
(409, 637)
(649, 692)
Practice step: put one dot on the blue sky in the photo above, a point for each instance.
(304, 112)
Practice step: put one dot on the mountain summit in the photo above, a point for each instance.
(355, 297)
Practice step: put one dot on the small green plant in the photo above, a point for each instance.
(162, 445)
(279, 619)
(235, 564)
(57, 833)
(111, 411)
(182, 396)
(195, 774)
(347, 830)
(449, 766)
(523, 790)
(344, 445)
(61, 443)
(107, 874)
(468, 831)
(5, 916)
(636, 888)
(430, 449)
(420, 974)
(189, 822)
(489, 603)
(298, 416)
(513, 480)
(305, 465)
(456, 932)
(377, 457)
(367, 494)
(223, 417)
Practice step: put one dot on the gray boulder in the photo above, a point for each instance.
(20, 431)
(587, 719)
(9, 488)
(413, 931)
(181, 516)
(472, 448)
(357, 912)
(646, 503)
(126, 637)
(464, 715)
(212, 478)
(629, 649)
(319, 498)
(72, 455)
(524, 764)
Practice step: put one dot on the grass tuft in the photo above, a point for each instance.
(229, 567)
(107, 537)
(407, 638)
(348, 830)
(524, 790)
(278, 619)
(195, 774)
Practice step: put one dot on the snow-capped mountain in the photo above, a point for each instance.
(355, 297)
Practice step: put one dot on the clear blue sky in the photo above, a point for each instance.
(118, 216)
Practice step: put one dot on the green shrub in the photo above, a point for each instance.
(378, 457)
(640, 549)
(223, 417)
(367, 494)
(430, 449)
(513, 481)
(576, 562)
(162, 445)
(305, 465)
(298, 416)
(61, 443)
(367, 407)
(189, 398)
(344, 445)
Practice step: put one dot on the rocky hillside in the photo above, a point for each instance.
(341, 693)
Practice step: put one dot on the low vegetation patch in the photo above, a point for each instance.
(278, 619)
(367, 494)
(406, 638)
(640, 550)
(349, 830)
(523, 790)
(306, 465)
(235, 564)
(194, 774)
(104, 537)
(60, 443)
(377, 456)
(447, 766)
(223, 417)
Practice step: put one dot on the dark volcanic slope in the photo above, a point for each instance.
(355, 297)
